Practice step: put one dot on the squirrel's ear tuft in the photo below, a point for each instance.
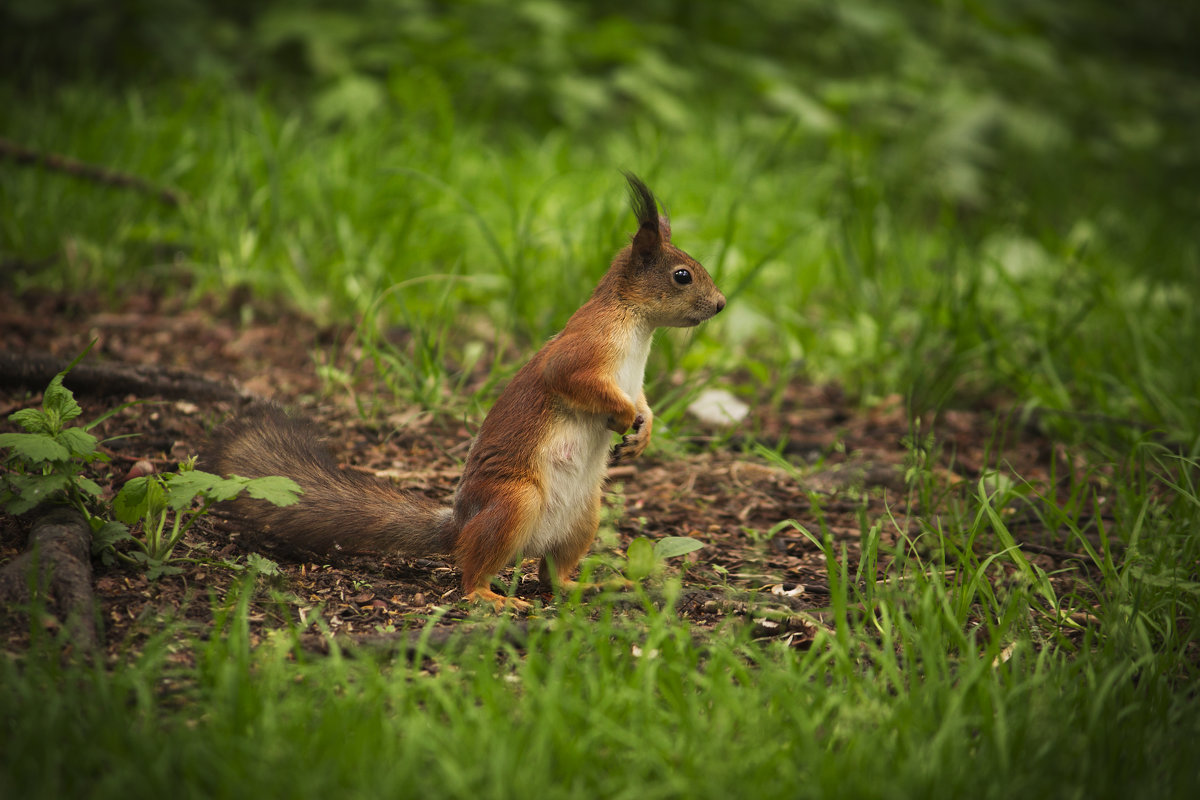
(642, 199)
(653, 228)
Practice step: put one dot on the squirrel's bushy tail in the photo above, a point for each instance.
(341, 511)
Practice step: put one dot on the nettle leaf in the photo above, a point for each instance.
(158, 568)
(78, 441)
(41, 485)
(34, 446)
(26, 491)
(139, 497)
(275, 489)
(109, 534)
(31, 419)
(184, 487)
(19, 505)
(672, 546)
(58, 399)
(261, 564)
(88, 485)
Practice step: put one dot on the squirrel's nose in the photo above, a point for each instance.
(720, 303)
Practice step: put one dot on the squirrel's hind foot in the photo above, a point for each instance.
(499, 602)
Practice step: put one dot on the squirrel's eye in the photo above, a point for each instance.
(682, 277)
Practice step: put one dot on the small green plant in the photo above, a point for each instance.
(763, 537)
(919, 449)
(166, 507)
(47, 461)
(46, 464)
(645, 558)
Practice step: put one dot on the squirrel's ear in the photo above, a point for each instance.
(653, 228)
(664, 227)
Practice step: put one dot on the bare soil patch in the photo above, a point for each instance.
(730, 499)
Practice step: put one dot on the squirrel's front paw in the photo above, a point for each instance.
(634, 443)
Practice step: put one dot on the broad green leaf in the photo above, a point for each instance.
(88, 485)
(58, 400)
(184, 487)
(31, 419)
(34, 446)
(275, 489)
(29, 490)
(227, 488)
(41, 485)
(19, 505)
(157, 569)
(137, 498)
(672, 546)
(78, 441)
(109, 534)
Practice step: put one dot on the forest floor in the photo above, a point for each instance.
(851, 475)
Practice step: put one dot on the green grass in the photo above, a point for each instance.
(958, 205)
(423, 227)
(937, 686)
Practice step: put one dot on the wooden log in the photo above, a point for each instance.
(54, 575)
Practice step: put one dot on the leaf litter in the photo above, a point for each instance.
(837, 467)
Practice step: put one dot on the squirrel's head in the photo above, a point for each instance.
(657, 278)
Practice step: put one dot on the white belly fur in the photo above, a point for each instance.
(575, 457)
(574, 463)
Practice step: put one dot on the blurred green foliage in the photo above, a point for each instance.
(965, 100)
(947, 199)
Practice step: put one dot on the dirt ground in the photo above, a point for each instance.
(749, 570)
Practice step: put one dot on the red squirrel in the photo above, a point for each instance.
(532, 481)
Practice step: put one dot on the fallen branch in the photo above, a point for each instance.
(34, 371)
(55, 570)
(58, 163)
(1054, 552)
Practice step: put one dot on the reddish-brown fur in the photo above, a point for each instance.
(532, 481)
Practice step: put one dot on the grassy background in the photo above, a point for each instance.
(957, 203)
(949, 203)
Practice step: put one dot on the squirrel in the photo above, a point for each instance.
(532, 481)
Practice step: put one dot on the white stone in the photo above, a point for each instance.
(719, 408)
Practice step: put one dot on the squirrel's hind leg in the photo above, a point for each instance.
(558, 564)
(491, 540)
